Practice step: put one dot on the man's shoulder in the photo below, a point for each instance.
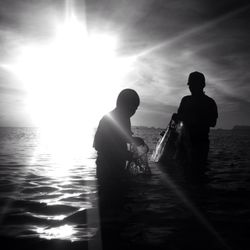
(186, 98)
(210, 99)
(109, 116)
(105, 120)
(112, 119)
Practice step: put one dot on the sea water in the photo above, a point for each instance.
(50, 194)
(45, 191)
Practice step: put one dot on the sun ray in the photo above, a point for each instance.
(193, 31)
(191, 206)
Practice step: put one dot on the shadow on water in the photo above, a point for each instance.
(196, 231)
(161, 211)
(219, 213)
(170, 211)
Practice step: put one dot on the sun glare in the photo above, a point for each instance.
(71, 81)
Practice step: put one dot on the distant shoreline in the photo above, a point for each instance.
(235, 128)
(241, 127)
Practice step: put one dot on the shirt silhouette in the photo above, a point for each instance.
(198, 113)
(112, 136)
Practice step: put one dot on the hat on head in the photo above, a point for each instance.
(196, 78)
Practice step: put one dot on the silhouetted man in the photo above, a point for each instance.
(112, 136)
(110, 142)
(198, 113)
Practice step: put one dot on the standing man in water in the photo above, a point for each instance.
(110, 142)
(112, 136)
(198, 113)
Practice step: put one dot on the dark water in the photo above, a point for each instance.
(49, 196)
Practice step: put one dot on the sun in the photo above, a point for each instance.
(71, 81)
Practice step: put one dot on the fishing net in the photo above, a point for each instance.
(139, 164)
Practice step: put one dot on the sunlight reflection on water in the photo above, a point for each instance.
(49, 194)
(66, 232)
(62, 232)
(70, 169)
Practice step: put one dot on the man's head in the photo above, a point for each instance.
(196, 82)
(128, 101)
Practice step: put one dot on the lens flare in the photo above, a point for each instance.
(70, 81)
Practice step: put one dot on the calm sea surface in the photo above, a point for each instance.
(48, 191)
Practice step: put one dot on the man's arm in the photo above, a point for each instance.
(181, 113)
(214, 114)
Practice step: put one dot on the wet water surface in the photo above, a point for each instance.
(47, 195)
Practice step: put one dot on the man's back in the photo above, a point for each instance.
(198, 114)
(112, 136)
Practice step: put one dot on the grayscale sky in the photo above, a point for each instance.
(169, 38)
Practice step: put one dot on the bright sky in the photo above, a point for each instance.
(55, 64)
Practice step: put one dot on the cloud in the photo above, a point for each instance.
(170, 39)
(9, 84)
